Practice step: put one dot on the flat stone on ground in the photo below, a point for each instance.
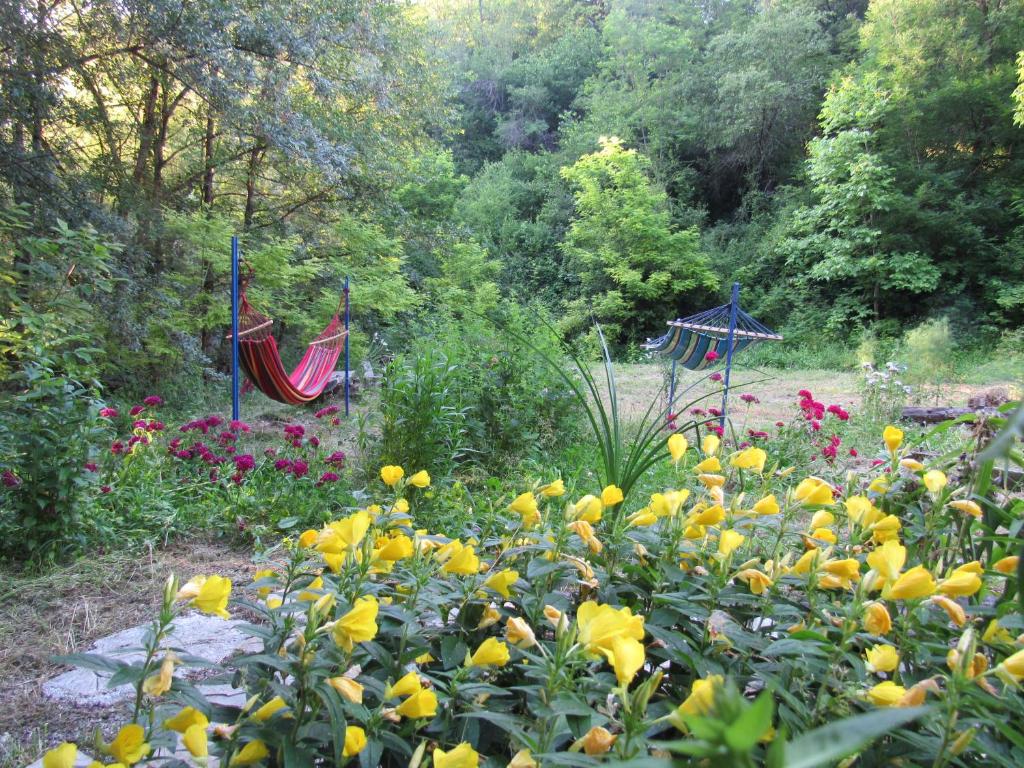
(208, 637)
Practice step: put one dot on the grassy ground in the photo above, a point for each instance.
(65, 611)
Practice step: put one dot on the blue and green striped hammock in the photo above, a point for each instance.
(690, 339)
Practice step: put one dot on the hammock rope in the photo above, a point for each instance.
(261, 359)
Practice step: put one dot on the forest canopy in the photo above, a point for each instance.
(855, 165)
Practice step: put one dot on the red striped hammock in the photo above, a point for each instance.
(261, 361)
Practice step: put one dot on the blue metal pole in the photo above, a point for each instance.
(235, 405)
(733, 307)
(672, 388)
(348, 371)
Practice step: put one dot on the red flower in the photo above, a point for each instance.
(711, 356)
(330, 410)
(240, 426)
(877, 462)
(108, 413)
(282, 465)
(806, 394)
(327, 477)
(244, 462)
(714, 412)
(105, 489)
(154, 400)
(815, 425)
(300, 468)
(117, 447)
(853, 452)
(10, 480)
(337, 459)
(136, 410)
(90, 466)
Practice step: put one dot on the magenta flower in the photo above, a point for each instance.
(780, 423)
(330, 410)
(117, 447)
(300, 468)
(327, 477)
(853, 452)
(155, 426)
(294, 430)
(136, 410)
(716, 376)
(244, 462)
(335, 421)
(805, 394)
(10, 480)
(90, 466)
(282, 465)
(711, 356)
(717, 430)
(213, 421)
(240, 426)
(105, 489)
(877, 462)
(748, 398)
(139, 424)
(815, 425)
(153, 400)
(336, 459)
(698, 412)
(109, 413)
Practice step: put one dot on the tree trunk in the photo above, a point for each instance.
(255, 155)
(208, 160)
(148, 129)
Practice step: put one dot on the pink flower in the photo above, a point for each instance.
(815, 425)
(336, 459)
(244, 462)
(155, 426)
(117, 447)
(853, 452)
(711, 356)
(327, 477)
(717, 430)
(240, 426)
(330, 410)
(139, 424)
(90, 466)
(698, 412)
(300, 468)
(716, 376)
(230, 449)
(109, 413)
(314, 441)
(806, 394)
(335, 421)
(780, 423)
(294, 430)
(748, 398)
(877, 462)
(743, 445)
(714, 412)
(105, 489)
(214, 475)
(282, 465)
(136, 410)
(213, 421)
(10, 480)
(154, 400)
(227, 437)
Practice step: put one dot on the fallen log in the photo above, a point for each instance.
(933, 415)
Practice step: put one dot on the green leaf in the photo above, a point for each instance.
(825, 745)
(755, 721)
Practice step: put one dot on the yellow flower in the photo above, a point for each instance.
(843, 572)
(315, 584)
(462, 561)
(406, 685)
(961, 583)
(268, 710)
(880, 484)
(129, 746)
(882, 658)
(490, 616)
(358, 625)
(1007, 565)
(525, 505)
(877, 620)
(208, 594)
(597, 741)
(755, 579)
(554, 616)
(821, 519)
(501, 581)
(349, 689)
(522, 759)
(885, 529)
(160, 683)
(750, 458)
(551, 490)
(893, 438)
(767, 506)
(611, 495)
(888, 561)
(677, 446)
(626, 658)
(642, 517)
(915, 583)
(709, 516)
(995, 633)
(952, 608)
(391, 474)
(710, 444)
(266, 573)
(518, 632)
(1011, 669)
(491, 653)
(729, 540)
(966, 505)
(62, 756)
(196, 742)
(822, 534)
(912, 464)
(421, 704)
(887, 694)
(861, 511)
(710, 464)
(972, 669)
(421, 480)
(702, 696)
(344, 535)
(306, 540)
(588, 509)
(599, 625)
(934, 481)
(251, 753)
(355, 737)
(585, 531)
(812, 491)
(185, 719)
(396, 547)
(463, 756)
(711, 481)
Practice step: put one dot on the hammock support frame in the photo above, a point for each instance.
(697, 341)
(261, 361)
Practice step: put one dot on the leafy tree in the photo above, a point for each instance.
(632, 267)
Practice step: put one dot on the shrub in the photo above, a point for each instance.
(743, 616)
